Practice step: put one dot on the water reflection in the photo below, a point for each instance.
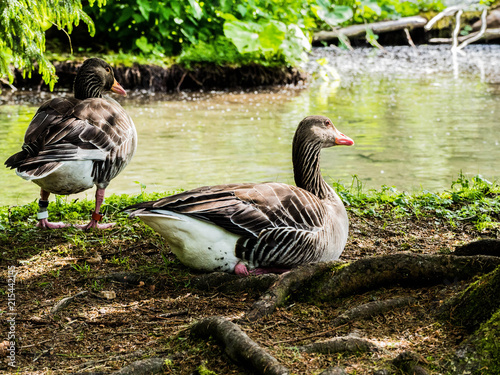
(410, 131)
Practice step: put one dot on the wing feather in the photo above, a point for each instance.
(66, 129)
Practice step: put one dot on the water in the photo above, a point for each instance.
(418, 118)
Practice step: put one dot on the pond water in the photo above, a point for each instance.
(418, 118)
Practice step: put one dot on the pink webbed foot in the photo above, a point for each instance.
(241, 269)
(94, 224)
(45, 224)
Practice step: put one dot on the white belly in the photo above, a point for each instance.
(197, 244)
(70, 178)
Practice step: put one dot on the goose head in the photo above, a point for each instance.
(319, 130)
(313, 134)
(94, 78)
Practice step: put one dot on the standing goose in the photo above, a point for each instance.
(75, 143)
(258, 228)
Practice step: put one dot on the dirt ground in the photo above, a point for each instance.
(141, 302)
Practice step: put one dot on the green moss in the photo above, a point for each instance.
(477, 303)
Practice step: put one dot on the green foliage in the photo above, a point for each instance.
(333, 12)
(474, 199)
(488, 345)
(22, 33)
(268, 32)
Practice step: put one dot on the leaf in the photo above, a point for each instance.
(195, 9)
(339, 14)
(143, 44)
(272, 35)
(144, 8)
(244, 35)
(373, 5)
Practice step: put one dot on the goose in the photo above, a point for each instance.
(257, 228)
(72, 144)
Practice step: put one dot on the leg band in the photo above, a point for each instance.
(42, 215)
(96, 216)
(43, 204)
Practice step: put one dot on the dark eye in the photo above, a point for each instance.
(328, 123)
(108, 69)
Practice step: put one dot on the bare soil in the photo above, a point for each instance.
(154, 301)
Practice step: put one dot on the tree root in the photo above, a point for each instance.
(227, 283)
(143, 367)
(286, 284)
(238, 346)
(370, 309)
(330, 280)
(344, 344)
(487, 246)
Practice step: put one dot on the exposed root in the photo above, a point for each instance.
(481, 247)
(327, 281)
(238, 346)
(62, 304)
(143, 367)
(285, 285)
(370, 309)
(228, 283)
(345, 344)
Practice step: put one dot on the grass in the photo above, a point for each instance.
(469, 199)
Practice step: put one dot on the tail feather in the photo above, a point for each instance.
(16, 160)
(34, 172)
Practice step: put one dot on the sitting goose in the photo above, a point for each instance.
(266, 227)
(75, 143)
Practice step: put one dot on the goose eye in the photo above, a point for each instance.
(108, 70)
(328, 123)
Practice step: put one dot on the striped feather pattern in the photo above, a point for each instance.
(70, 129)
(279, 225)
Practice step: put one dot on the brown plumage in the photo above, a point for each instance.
(72, 144)
(262, 227)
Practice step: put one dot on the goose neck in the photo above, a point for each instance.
(306, 168)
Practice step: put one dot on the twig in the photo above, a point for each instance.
(65, 302)
(297, 339)
(410, 40)
(445, 13)
(456, 31)
(477, 36)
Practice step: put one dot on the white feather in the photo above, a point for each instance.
(197, 243)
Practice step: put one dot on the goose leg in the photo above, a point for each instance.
(43, 214)
(96, 216)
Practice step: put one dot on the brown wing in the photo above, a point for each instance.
(65, 129)
(247, 209)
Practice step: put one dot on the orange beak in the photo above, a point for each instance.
(117, 88)
(344, 140)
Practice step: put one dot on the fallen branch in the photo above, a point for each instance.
(326, 281)
(62, 304)
(489, 34)
(370, 309)
(344, 344)
(359, 31)
(238, 346)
